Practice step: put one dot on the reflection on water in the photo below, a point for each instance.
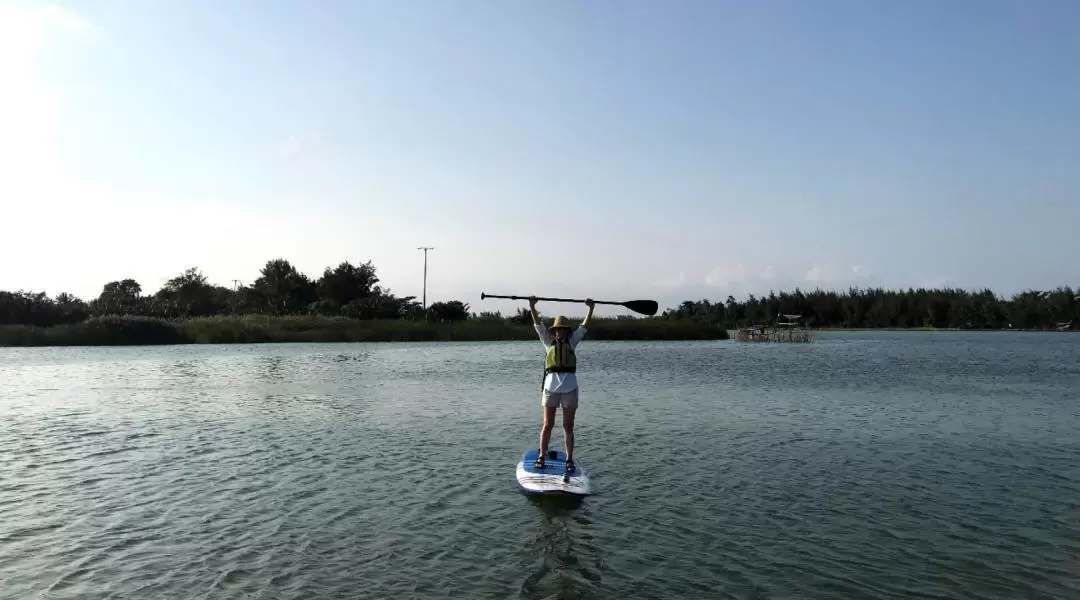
(269, 368)
(561, 570)
(183, 369)
(555, 505)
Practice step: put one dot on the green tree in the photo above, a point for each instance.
(452, 310)
(521, 317)
(282, 288)
(190, 295)
(347, 283)
(878, 307)
(119, 297)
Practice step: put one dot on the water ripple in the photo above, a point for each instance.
(860, 467)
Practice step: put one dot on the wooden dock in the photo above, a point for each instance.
(787, 329)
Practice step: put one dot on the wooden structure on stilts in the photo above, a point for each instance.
(786, 329)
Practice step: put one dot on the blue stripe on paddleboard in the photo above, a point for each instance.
(552, 466)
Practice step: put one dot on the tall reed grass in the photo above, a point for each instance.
(137, 330)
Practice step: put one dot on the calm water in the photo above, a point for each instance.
(871, 465)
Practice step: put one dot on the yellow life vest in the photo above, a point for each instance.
(560, 358)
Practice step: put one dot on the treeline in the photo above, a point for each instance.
(346, 290)
(880, 308)
(353, 292)
(345, 303)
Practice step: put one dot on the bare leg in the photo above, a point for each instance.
(568, 431)
(545, 429)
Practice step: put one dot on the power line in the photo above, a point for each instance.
(425, 249)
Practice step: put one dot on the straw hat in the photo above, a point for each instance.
(560, 321)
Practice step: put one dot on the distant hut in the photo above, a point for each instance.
(787, 328)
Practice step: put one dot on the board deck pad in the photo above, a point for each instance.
(552, 478)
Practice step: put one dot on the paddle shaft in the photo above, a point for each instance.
(645, 307)
(545, 299)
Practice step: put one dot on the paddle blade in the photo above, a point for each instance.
(645, 307)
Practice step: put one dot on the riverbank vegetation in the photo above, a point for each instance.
(876, 308)
(133, 329)
(347, 303)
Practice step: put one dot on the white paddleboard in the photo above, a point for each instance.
(552, 478)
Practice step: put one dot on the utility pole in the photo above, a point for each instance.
(425, 249)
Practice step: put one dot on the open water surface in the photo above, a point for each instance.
(865, 465)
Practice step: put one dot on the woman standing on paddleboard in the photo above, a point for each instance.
(560, 387)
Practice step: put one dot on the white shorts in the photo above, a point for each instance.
(557, 399)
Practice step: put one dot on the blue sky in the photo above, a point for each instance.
(667, 150)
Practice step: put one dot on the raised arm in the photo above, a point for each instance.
(588, 315)
(541, 331)
(532, 310)
(579, 333)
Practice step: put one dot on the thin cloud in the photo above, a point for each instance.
(739, 279)
(829, 274)
(65, 20)
(821, 274)
(29, 110)
(936, 282)
(729, 274)
(677, 280)
(296, 145)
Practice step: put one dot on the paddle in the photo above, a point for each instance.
(645, 307)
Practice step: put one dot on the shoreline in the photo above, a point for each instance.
(256, 328)
(954, 329)
(250, 329)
